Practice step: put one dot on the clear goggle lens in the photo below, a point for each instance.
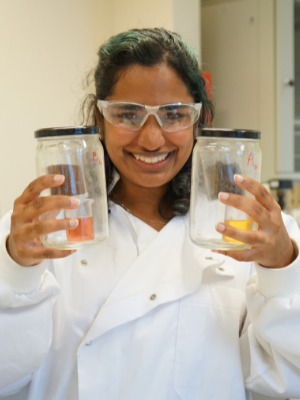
(131, 116)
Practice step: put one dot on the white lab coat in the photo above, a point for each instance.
(149, 315)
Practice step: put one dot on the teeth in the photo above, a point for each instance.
(151, 160)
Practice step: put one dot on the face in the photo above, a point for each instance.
(149, 157)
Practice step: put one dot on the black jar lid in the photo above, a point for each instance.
(228, 133)
(66, 131)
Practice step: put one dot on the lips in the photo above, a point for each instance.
(150, 160)
(153, 162)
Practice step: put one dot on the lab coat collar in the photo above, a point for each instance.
(169, 268)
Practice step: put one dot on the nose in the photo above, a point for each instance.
(151, 135)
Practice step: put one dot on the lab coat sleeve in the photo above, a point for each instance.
(27, 295)
(270, 341)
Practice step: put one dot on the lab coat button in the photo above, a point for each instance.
(83, 262)
(208, 258)
(221, 269)
(88, 343)
(152, 297)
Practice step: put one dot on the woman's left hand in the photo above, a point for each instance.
(271, 245)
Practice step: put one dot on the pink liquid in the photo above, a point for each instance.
(83, 231)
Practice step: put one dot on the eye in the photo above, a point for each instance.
(174, 114)
(126, 115)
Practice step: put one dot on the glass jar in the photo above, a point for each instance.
(76, 153)
(217, 156)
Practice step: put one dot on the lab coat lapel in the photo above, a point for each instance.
(169, 268)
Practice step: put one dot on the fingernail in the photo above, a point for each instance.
(74, 201)
(223, 196)
(220, 227)
(238, 178)
(59, 178)
(73, 223)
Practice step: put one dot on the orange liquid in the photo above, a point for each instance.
(245, 224)
(83, 231)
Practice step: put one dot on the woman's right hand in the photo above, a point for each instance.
(23, 244)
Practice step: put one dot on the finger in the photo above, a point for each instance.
(249, 206)
(252, 238)
(39, 228)
(258, 190)
(35, 188)
(39, 253)
(42, 205)
(240, 255)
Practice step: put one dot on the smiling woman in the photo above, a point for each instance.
(135, 153)
(156, 71)
(147, 314)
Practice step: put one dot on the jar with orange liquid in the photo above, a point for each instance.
(76, 153)
(218, 155)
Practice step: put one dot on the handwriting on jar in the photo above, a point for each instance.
(96, 158)
(251, 161)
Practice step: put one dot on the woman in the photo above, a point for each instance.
(147, 314)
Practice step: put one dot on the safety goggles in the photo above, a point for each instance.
(171, 117)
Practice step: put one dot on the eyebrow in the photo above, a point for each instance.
(174, 106)
(128, 106)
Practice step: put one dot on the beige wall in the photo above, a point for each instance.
(47, 47)
(130, 14)
(187, 17)
(177, 15)
(239, 50)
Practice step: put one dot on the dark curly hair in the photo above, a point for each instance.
(150, 47)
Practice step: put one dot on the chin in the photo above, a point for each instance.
(152, 183)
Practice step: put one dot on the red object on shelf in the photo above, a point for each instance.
(208, 86)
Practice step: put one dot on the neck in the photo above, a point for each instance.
(142, 202)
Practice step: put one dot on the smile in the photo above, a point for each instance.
(150, 160)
